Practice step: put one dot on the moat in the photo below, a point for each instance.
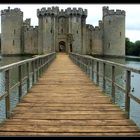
(135, 79)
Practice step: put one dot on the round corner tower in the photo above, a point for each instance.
(47, 29)
(61, 30)
(113, 32)
(11, 27)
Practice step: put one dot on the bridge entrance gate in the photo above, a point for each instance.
(62, 46)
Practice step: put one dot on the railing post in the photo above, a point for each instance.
(20, 81)
(81, 64)
(46, 66)
(127, 97)
(28, 75)
(113, 85)
(97, 73)
(104, 86)
(42, 66)
(40, 72)
(36, 67)
(91, 69)
(33, 69)
(88, 64)
(7, 88)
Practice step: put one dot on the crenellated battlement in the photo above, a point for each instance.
(27, 22)
(30, 28)
(107, 12)
(55, 11)
(48, 11)
(89, 26)
(96, 28)
(100, 23)
(27, 25)
(15, 11)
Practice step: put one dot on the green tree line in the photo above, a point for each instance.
(132, 48)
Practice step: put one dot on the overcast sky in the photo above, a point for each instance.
(94, 14)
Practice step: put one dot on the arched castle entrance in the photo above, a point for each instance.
(62, 46)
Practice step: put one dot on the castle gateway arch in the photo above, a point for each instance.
(62, 46)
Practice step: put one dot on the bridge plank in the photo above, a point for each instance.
(72, 129)
(65, 102)
(72, 122)
(17, 133)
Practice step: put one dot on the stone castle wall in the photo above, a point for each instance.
(114, 32)
(11, 27)
(97, 37)
(30, 40)
(55, 25)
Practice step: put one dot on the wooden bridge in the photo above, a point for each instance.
(65, 101)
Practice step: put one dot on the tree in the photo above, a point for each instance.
(137, 48)
(129, 47)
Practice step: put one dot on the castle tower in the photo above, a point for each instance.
(11, 28)
(57, 28)
(47, 29)
(113, 32)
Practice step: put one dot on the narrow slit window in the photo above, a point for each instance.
(51, 30)
(120, 34)
(61, 30)
(109, 45)
(77, 31)
(13, 42)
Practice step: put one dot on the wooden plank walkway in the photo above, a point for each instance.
(66, 102)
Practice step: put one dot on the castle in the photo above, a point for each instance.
(63, 31)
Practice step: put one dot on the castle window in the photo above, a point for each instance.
(109, 21)
(120, 34)
(61, 30)
(109, 45)
(77, 31)
(14, 31)
(90, 45)
(51, 31)
(13, 42)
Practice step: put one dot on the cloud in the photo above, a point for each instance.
(133, 35)
(132, 27)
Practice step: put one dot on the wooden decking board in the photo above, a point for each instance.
(134, 134)
(45, 109)
(72, 122)
(65, 102)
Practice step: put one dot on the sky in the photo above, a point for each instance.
(132, 20)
